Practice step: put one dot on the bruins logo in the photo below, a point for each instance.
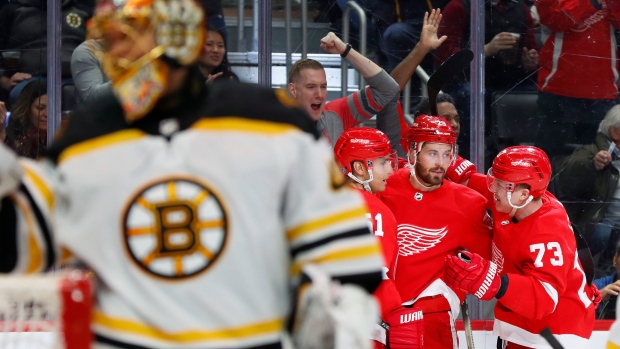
(175, 228)
(73, 20)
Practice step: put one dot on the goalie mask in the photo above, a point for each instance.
(520, 165)
(142, 40)
(366, 145)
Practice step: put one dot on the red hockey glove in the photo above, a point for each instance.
(460, 170)
(473, 274)
(596, 295)
(406, 328)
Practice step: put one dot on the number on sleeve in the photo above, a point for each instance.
(541, 252)
(557, 259)
(378, 223)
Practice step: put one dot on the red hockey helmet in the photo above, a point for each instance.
(522, 165)
(432, 129)
(360, 144)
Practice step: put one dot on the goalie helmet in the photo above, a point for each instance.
(522, 165)
(178, 27)
(432, 129)
(143, 40)
(360, 144)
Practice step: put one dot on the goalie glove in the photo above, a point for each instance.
(405, 328)
(332, 315)
(10, 171)
(475, 275)
(460, 170)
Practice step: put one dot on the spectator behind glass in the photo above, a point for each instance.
(215, 16)
(27, 129)
(23, 36)
(578, 76)
(609, 286)
(213, 62)
(587, 185)
(308, 85)
(511, 56)
(400, 24)
(2, 122)
(397, 25)
(88, 76)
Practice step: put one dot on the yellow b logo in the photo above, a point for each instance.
(175, 228)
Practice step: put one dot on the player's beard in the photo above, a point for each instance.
(425, 175)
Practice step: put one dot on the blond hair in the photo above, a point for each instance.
(302, 64)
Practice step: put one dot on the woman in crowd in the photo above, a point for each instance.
(27, 129)
(213, 63)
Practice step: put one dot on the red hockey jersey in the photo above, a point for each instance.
(546, 283)
(432, 225)
(383, 225)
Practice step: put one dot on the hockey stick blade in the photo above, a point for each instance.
(548, 336)
(446, 71)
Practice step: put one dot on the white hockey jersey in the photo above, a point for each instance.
(194, 236)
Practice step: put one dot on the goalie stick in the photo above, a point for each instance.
(445, 73)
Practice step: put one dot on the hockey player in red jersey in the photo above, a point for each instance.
(535, 272)
(435, 217)
(461, 169)
(364, 156)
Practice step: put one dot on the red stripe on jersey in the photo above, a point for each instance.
(359, 107)
(371, 100)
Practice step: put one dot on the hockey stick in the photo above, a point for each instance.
(548, 336)
(446, 71)
(585, 256)
(469, 335)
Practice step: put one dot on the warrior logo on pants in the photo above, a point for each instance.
(175, 228)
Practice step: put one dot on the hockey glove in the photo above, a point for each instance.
(460, 170)
(406, 328)
(473, 274)
(596, 295)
